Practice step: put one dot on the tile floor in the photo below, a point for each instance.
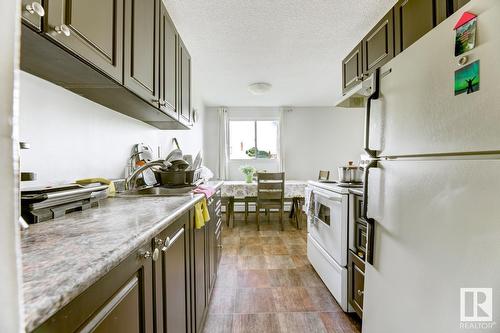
(265, 284)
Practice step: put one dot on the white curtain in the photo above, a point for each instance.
(282, 126)
(223, 146)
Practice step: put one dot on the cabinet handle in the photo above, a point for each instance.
(170, 241)
(360, 292)
(219, 246)
(63, 28)
(35, 8)
(148, 255)
(158, 242)
(156, 254)
(159, 101)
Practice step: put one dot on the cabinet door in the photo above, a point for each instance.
(92, 29)
(352, 69)
(200, 290)
(445, 8)
(122, 301)
(356, 269)
(168, 67)
(32, 12)
(185, 84)
(172, 278)
(457, 4)
(413, 19)
(378, 45)
(141, 60)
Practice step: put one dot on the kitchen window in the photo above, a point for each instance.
(253, 139)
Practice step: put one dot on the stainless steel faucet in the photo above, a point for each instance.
(131, 180)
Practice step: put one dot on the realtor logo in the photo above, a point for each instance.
(476, 304)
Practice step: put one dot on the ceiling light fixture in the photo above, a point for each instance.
(259, 88)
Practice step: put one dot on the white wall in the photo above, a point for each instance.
(72, 137)
(10, 275)
(321, 139)
(314, 139)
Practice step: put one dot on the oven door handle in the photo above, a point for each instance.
(325, 196)
(370, 223)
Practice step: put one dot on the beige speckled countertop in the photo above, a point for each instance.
(63, 257)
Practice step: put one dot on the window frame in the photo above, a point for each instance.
(255, 121)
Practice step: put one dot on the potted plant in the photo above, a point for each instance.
(248, 171)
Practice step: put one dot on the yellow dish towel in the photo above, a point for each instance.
(201, 215)
(103, 181)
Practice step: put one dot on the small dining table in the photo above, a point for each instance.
(240, 191)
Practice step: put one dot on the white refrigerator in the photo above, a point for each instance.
(435, 193)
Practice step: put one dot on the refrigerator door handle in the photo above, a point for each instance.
(375, 95)
(370, 223)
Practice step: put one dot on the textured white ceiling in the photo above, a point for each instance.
(296, 45)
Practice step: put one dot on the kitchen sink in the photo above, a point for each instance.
(155, 192)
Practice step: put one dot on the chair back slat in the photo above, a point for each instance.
(277, 186)
(271, 176)
(270, 195)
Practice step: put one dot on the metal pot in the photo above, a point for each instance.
(350, 174)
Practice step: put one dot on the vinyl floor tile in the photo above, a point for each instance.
(265, 284)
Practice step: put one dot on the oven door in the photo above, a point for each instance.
(329, 223)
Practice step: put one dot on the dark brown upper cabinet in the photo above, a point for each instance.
(378, 45)
(168, 60)
(184, 70)
(445, 8)
(352, 68)
(413, 19)
(92, 29)
(32, 12)
(141, 60)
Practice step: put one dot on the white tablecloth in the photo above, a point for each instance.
(241, 189)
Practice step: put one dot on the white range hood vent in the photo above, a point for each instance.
(358, 95)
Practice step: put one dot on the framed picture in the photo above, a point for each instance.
(465, 39)
(467, 79)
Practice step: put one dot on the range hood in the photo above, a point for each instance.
(358, 96)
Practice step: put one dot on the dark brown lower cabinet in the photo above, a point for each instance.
(122, 301)
(356, 281)
(205, 261)
(172, 277)
(163, 286)
(214, 245)
(199, 283)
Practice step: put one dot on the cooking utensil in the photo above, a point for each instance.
(174, 155)
(197, 161)
(188, 158)
(350, 174)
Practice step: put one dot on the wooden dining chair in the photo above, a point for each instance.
(270, 194)
(324, 175)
